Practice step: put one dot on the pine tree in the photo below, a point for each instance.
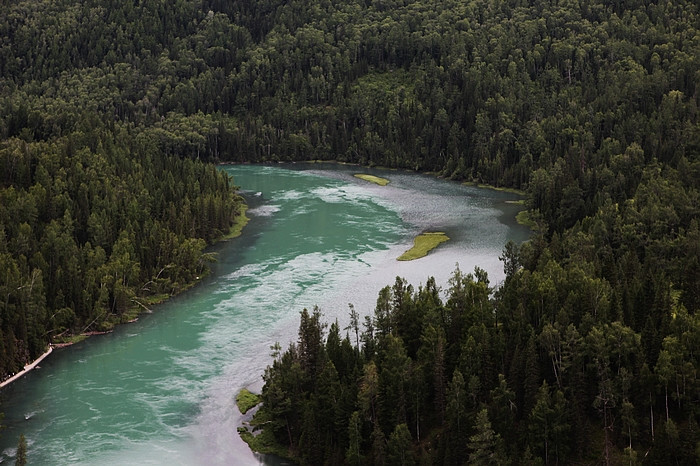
(457, 424)
(353, 455)
(399, 447)
(485, 445)
(378, 448)
(21, 458)
(532, 375)
(541, 422)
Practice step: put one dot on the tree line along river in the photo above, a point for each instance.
(161, 390)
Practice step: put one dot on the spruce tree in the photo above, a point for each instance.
(485, 445)
(21, 458)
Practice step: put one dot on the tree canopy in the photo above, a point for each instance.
(110, 112)
(476, 380)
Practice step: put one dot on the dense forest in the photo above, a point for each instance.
(110, 112)
(97, 220)
(92, 225)
(543, 370)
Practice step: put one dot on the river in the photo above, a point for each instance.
(161, 390)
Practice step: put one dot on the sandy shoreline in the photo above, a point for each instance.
(27, 368)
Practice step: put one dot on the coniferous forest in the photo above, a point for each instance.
(111, 114)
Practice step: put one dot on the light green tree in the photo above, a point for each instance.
(485, 446)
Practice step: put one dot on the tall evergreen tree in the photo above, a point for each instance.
(485, 445)
(21, 457)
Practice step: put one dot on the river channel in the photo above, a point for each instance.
(161, 390)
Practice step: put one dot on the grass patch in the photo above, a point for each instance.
(245, 400)
(262, 440)
(373, 179)
(155, 299)
(69, 339)
(519, 192)
(130, 314)
(523, 218)
(264, 443)
(237, 227)
(423, 244)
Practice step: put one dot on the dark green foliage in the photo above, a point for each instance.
(585, 390)
(591, 107)
(485, 445)
(567, 100)
(93, 228)
(399, 448)
(353, 455)
(21, 456)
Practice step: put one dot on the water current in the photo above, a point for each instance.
(161, 390)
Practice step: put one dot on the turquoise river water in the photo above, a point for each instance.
(161, 390)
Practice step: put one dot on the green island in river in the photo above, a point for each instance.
(246, 400)
(373, 179)
(423, 244)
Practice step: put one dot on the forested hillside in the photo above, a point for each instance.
(97, 219)
(546, 370)
(589, 350)
(92, 225)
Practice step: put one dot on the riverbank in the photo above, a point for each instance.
(475, 184)
(238, 225)
(502, 189)
(247, 400)
(138, 308)
(529, 219)
(252, 429)
(27, 368)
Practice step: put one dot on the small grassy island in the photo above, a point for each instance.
(372, 179)
(251, 432)
(423, 244)
(246, 400)
(524, 217)
(502, 189)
